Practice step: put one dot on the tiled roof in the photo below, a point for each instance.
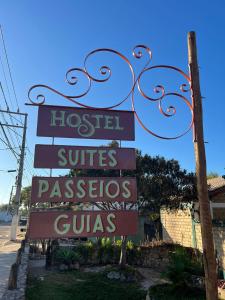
(215, 183)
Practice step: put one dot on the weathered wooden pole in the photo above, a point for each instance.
(200, 158)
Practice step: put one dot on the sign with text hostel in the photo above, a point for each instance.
(83, 123)
(70, 122)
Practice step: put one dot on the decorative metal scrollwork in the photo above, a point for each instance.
(105, 73)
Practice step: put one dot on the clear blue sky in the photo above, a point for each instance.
(46, 38)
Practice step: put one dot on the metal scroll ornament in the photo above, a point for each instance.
(72, 78)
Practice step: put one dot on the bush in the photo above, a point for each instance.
(106, 251)
(171, 292)
(183, 263)
(130, 245)
(133, 252)
(66, 256)
(85, 250)
(181, 266)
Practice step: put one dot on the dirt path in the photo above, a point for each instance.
(150, 277)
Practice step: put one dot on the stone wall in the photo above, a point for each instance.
(178, 227)
(152, 255)
(156, 257)
(219, 239)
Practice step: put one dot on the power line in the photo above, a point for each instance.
(27, 162)
(13, 144)
(14, 91)
(9, 132)
(9, 69)
(7, 106)
(27, 179)
(5, 143)
(28, 169)
(6, 82)
(1, 138)
(6, 103)
(2, 149)
(13, 117)
(8, 142)
(9, 114)
(16, 133)
(32, 157)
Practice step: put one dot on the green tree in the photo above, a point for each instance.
(24, 197)
(3, 207)
(211, 175)
(162, 182)
(159, 181)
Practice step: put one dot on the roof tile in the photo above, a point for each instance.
(215, 183)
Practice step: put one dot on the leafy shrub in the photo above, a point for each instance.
(106, 242)
(171, 292)
(181, 266)
(66, 256)
(109, 251)
(118, 243)
(85, 250)
(130, 245)
(105, 251)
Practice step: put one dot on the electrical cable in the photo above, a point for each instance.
(7, 86)
(2, 149)
(9, 69)
(9, 112)
(8, 142)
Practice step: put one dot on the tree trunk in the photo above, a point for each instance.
(123, 253)
(48, 261)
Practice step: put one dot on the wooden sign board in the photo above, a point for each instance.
(69, 224)
(79, 157)
(83, 189)
(71, 122)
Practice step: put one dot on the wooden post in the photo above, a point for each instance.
(123, 252)
(200, 158)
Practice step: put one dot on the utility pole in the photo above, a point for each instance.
(15, 218)
(209, 257)
(10, 200)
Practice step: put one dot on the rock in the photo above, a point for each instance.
(75, 266)
(63, 267)
(130, 278)
(118, 275)
(197, 281)
(122, 277)
(113, 275)
(147, 297)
